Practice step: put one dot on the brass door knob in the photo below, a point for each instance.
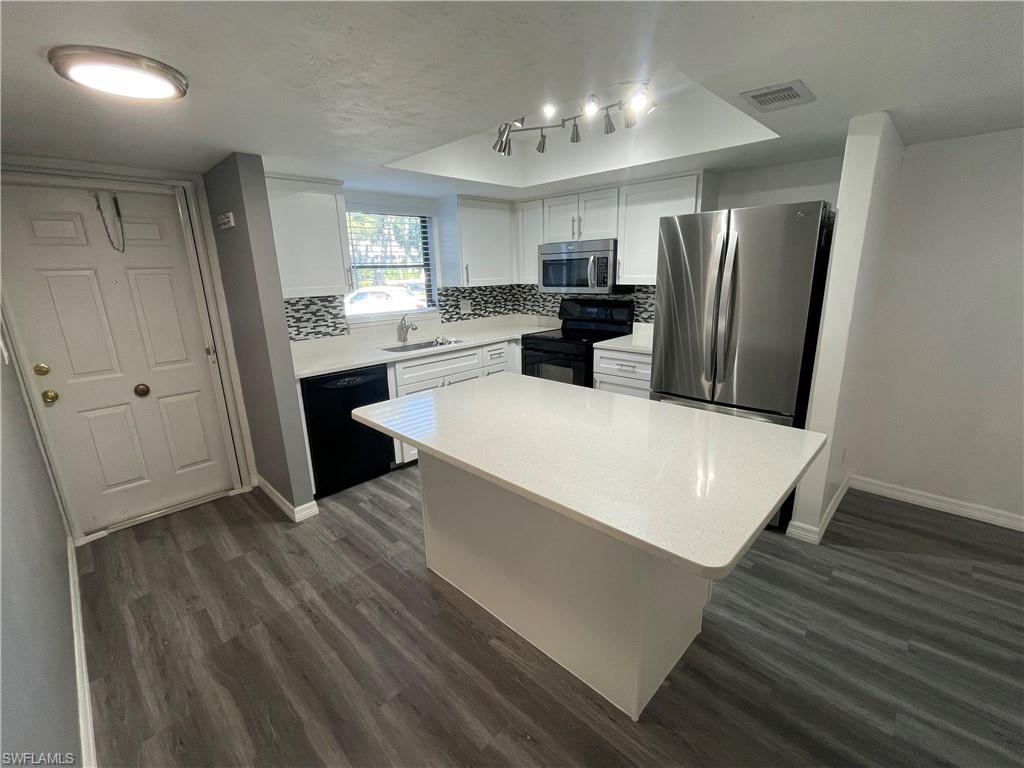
(141, 390)
(40, 369)
(50, 396)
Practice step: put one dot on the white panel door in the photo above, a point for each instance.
(560, 215)
(486, 232)
(641, 206)
(599, 214)
(530, 235)
(108, 325)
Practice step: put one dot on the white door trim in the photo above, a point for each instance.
(209, 293)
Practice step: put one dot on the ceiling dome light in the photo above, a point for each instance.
(549, 110)
(590, 106)
(118, 72)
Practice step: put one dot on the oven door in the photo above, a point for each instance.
(556, 366)
(569, 273)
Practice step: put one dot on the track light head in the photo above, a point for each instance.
(609, 124)
(542, 143)
(549, 110)
(590, 106)
(507, 149)
(574, 137)
(629, 118)
(519, 123)
(651, 106)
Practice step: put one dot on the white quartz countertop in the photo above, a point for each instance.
(692, 486)
(342, 353)
(640, 341)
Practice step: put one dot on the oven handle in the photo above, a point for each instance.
(591, 280)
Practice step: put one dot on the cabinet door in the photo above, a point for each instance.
(310, 237)
(560, 218)
(530, 221)
(622, 386)
(640, 208)
(486, 233)
(599, 215)
(409, 453)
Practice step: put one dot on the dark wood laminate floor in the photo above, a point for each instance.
(226, 635)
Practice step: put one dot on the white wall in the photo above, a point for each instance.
(941, 407)
(40, 702)
(867, 190)
(793, 183)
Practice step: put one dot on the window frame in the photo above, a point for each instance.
(385, 318)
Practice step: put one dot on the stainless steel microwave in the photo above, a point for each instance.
(579, 266)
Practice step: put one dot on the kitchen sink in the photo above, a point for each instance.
(439, 342)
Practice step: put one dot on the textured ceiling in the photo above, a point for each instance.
(341, 89)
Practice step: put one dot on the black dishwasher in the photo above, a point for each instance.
(345, 452)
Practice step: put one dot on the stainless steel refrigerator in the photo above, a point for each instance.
(738, 304)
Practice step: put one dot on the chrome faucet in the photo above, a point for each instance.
(404, 326)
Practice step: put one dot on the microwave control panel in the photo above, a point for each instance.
(601, 272)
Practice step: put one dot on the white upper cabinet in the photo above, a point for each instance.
(560, 215)
(310, 236)
(477, 242)
(599, 215)
(529, 236)
(586, 216)
(640, 208)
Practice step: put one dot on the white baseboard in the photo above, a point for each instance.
(298, 514)
(1001, 517)
(803, 532)
(85, 728)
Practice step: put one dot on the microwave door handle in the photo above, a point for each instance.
(725, 305)
(591, 279)
(711, 292)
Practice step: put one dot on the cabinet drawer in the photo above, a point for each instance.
(423, 368)
(496, 353)
(421, 386)
(490, 370)
(628, 364)
(621, 385)
(465, 376)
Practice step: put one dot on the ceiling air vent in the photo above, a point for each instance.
(781, 96)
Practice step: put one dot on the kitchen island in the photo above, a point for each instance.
(592, 524)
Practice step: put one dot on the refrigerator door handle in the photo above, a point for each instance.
(724, 327)
(709, 311)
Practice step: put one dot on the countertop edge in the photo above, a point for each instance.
(376, 356)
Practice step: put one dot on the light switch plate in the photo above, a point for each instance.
(465, 307)
(224, 220)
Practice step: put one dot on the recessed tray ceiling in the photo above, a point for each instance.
(689, 120)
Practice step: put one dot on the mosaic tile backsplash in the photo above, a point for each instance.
(489, 301)
(314, 317)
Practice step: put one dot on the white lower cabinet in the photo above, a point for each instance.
(424, 373)
(626, 373)
(623, 386)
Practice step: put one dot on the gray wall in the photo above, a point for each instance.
(252, 288)
(37, 655)
(793, 183)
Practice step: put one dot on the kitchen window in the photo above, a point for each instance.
(390, 262)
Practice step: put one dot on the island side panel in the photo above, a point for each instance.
(578, 595)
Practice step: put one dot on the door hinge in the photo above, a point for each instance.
(211, 352)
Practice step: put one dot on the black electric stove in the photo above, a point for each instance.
(566, 354)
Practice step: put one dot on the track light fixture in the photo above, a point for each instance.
(609, 125)
(637, 104)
